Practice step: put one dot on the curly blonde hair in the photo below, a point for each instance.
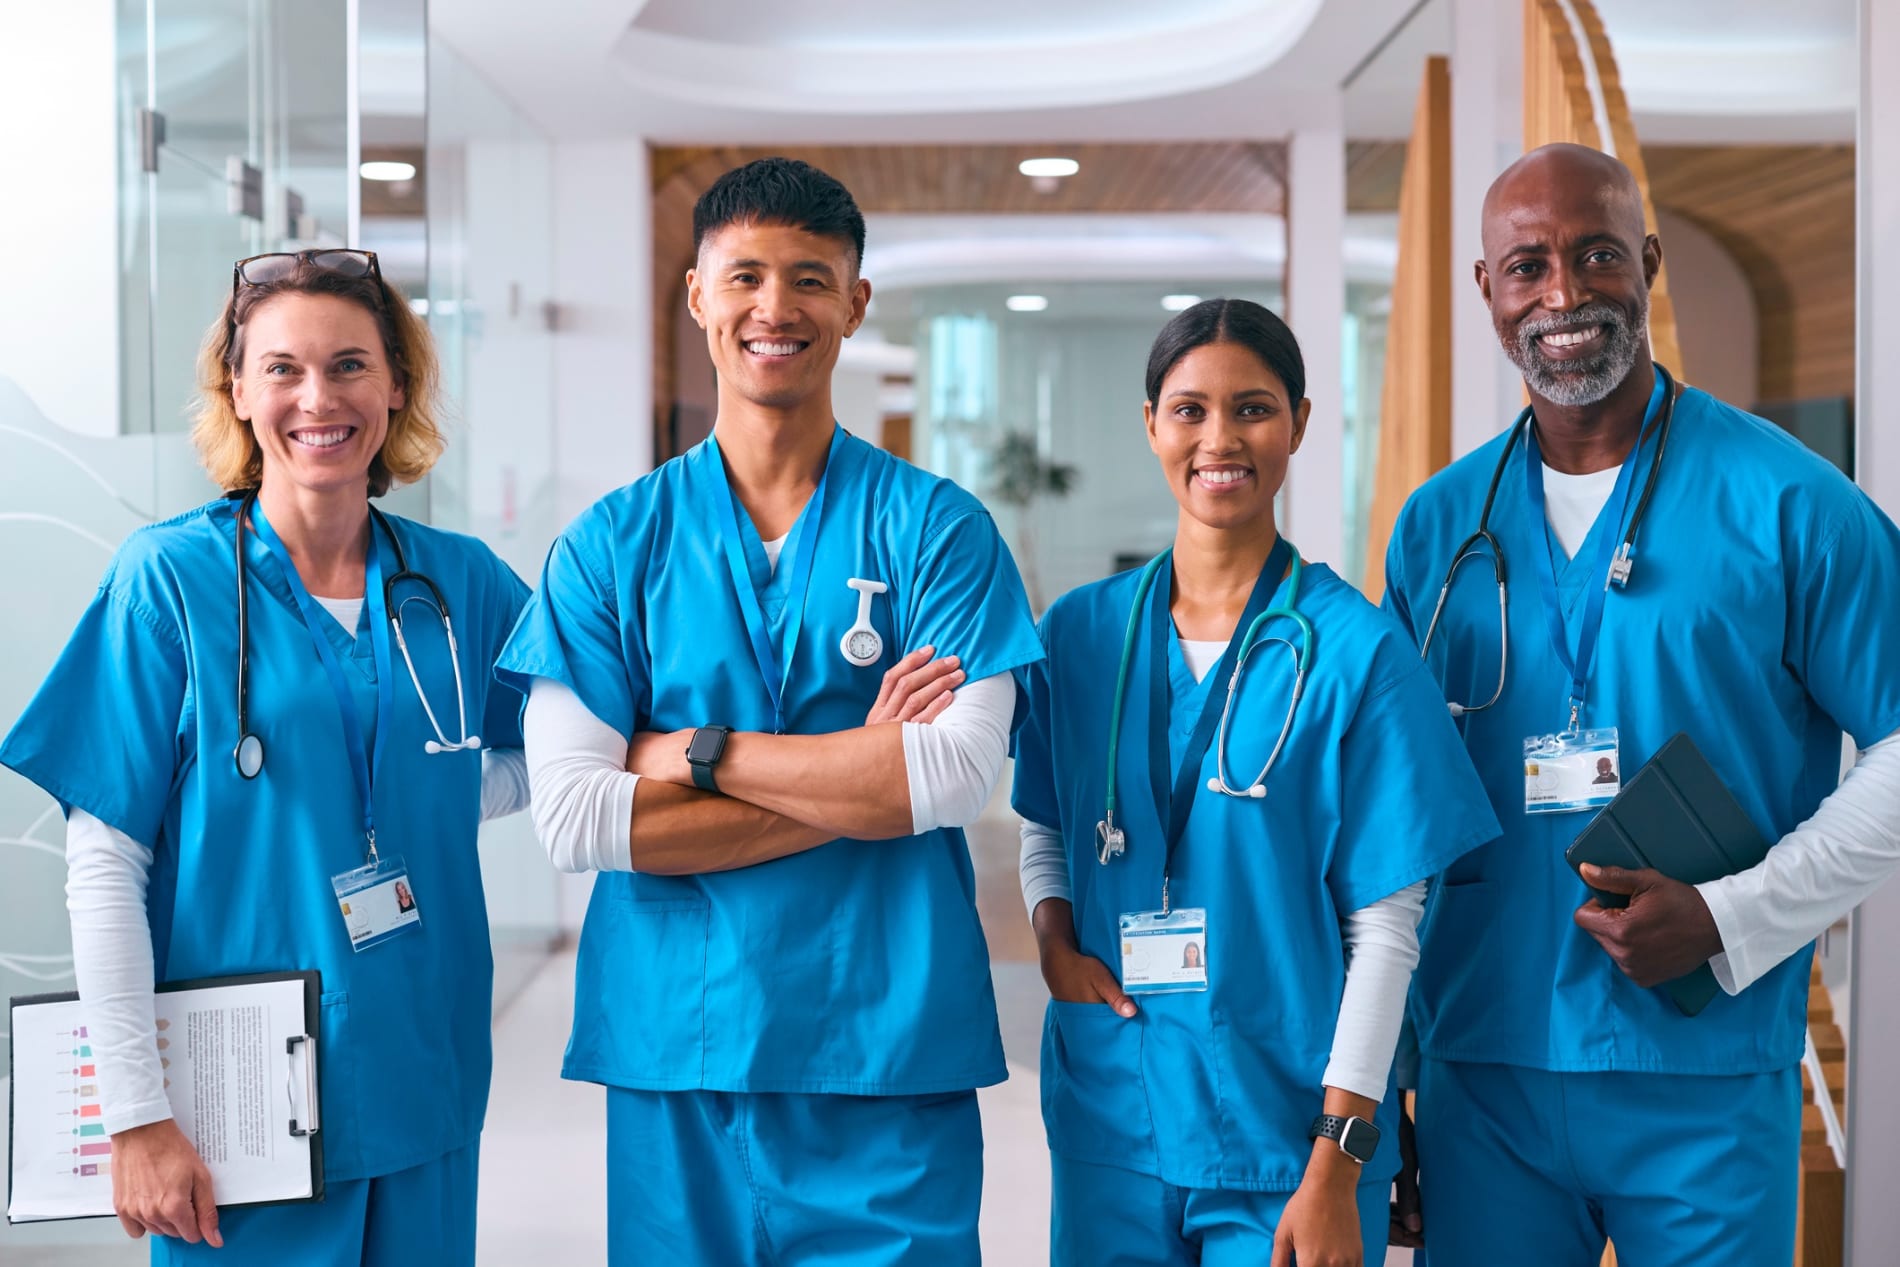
(227, 447)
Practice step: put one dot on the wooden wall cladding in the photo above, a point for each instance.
(1229, 176)
(1559, 106)
(1415, 400)
(1786, 213)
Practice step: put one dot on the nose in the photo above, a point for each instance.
(775, 303)
(1220, 433)
(317, 397)
(1564, 288)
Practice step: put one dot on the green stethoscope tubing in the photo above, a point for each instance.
(1302, 660)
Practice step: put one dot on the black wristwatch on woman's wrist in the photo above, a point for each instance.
(1357, 1138)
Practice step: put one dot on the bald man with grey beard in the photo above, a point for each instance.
(1675, 565)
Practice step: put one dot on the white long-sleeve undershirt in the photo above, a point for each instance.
(107, 873)
(583, 793)
(1814, 875)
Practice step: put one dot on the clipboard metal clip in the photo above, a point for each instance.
(303, 1077)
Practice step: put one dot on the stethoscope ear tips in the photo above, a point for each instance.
(432, 747)
(1457, 710)
(1213, 785)
(471, 743)
(1257, 792)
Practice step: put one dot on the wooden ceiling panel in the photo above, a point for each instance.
(1786, 213)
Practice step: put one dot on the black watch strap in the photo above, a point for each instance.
(703, 752)
(1357, 1138)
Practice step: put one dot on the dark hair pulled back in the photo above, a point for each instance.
(1238, 321)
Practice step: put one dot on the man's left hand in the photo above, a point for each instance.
(661, 754)
(1665, 932)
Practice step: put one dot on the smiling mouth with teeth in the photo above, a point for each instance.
(326, 438)
(1570, 338)
(774, 347)
(1225, 475)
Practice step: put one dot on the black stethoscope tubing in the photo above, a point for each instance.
(1619, 570)
(249, 753)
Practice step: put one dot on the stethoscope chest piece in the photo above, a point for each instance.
(249, 755)
(1110, 841)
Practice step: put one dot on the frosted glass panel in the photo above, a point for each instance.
(66, 502)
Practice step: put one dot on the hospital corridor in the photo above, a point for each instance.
(703, 633)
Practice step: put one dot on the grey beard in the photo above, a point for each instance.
(1580, 382)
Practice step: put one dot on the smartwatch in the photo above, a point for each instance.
(703, 753)
(1358, 1138)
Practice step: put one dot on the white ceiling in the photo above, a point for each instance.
(838, 24)
(1200, 69)
(843, 71)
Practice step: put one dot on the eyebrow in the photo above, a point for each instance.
(1251, 393)
(291, 356)
(1588, 239)
(815, 266)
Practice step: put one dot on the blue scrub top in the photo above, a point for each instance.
(136, 725)
(1759, 619)
(1216, 1089)
(857, 967)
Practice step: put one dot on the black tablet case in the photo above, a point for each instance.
(1678, 817)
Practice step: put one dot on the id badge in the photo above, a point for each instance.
(1571, 772)
(378, 902)
(1164, 953)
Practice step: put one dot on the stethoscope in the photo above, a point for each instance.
(1621, 565)
(1111, 841)
(249, 753)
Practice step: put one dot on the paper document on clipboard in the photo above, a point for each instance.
(239, 1057)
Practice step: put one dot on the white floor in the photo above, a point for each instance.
(543, 1178)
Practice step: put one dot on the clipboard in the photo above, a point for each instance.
(1678, 817)
(228, 1051)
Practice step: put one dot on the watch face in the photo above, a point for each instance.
(707, 745)
(1360, 1139)
(863, 646)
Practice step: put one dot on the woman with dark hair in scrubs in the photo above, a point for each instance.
(314, 809)
(1225, 875)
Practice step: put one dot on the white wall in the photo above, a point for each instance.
(1715, 313)
(1873, 1096)
(603, 351)
(59, 149)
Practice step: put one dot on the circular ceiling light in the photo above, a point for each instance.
(1054, 168)
(384, 170)
(1179, 303)
(1026, 303)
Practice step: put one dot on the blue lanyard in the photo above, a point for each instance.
(801, 546)
(362, 762)
(1578, 667)
(1172, 807)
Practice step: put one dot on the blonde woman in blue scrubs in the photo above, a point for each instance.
(1229, 951)
(211, 821)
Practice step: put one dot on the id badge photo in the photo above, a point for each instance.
(1566, 773)
(1164, 952)
(378, 902)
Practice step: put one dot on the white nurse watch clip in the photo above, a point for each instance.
(861, 644)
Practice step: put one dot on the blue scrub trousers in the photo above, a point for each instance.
(1524, 1165)
(1104, 1216)
(771, 1180)
(420, 1217)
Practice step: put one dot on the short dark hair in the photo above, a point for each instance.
(1229, 321)
(781, 191)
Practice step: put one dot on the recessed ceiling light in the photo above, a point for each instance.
(1179, 303)
(1048, 167)
(1026, 303)
(383, 170)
